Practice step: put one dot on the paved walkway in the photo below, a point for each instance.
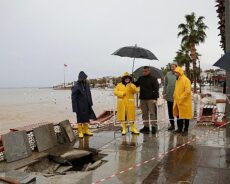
(206, 160)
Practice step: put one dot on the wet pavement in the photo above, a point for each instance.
(206, 160)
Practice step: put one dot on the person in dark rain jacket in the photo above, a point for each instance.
(82, 104)
(149, 93)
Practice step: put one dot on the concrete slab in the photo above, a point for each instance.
(45, 137)
(21, 177)
(67, 130)
(16, 145)
(52, 134)
(74, 154)
(16, 175)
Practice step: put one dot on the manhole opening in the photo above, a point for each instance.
(49, 166)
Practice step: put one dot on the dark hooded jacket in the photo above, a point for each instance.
(82, 100)
(149, 87)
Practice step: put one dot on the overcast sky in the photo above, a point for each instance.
(38, 36)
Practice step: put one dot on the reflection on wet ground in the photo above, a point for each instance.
(203, 161)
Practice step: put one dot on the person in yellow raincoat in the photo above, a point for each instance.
(126, 103)
(182, 106)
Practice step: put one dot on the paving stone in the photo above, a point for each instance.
(22, 177)
(74, 154)
(63, 169)
(16, 145)
(29, 180)
(67, 130)
(45, 137)
(94, 165)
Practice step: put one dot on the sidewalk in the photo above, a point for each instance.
(204, 161)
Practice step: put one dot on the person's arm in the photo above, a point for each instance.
(156, 87)
(118, 92)
(74, 94)
(137, 83)
(133, 88)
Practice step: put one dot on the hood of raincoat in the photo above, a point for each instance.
(82, 76)
(126, 75)
(179, 70)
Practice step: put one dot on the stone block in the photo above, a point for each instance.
(16, 145)
(45, 137)
(67, 130)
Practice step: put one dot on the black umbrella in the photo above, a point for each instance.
(135, 52)
(155, 72)
(224, 61)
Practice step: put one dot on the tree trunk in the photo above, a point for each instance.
(193, 57)
(187, 69)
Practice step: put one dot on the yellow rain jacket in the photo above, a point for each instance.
(182, 106)
(125, 101)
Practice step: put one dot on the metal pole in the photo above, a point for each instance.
(227, 34)
(133, 60)
(133, 66)
(64, 76)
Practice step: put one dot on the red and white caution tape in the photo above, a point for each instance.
(158, 157)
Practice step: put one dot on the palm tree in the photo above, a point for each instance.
(165, 69)
(193, 33)
(183, 59)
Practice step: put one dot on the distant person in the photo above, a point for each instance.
(149, 93)
(169, 87)
(182, 106)
(126, 110)
(82, 104)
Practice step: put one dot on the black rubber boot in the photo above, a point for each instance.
(154, 130)
(145, 130)
(171, 128)
(179, 126)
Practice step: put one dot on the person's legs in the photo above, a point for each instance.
(133, 128)
(80, 130)
(123, 126)
(153, 115)
(170, 114)
(179, 125)
(79, 126)
(86, 130)
(186, 122)
(186, 125)
(145, 115)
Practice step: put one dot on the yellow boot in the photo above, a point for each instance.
(86, 130)
(123, 126)
(80, 130)
(134, 129)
